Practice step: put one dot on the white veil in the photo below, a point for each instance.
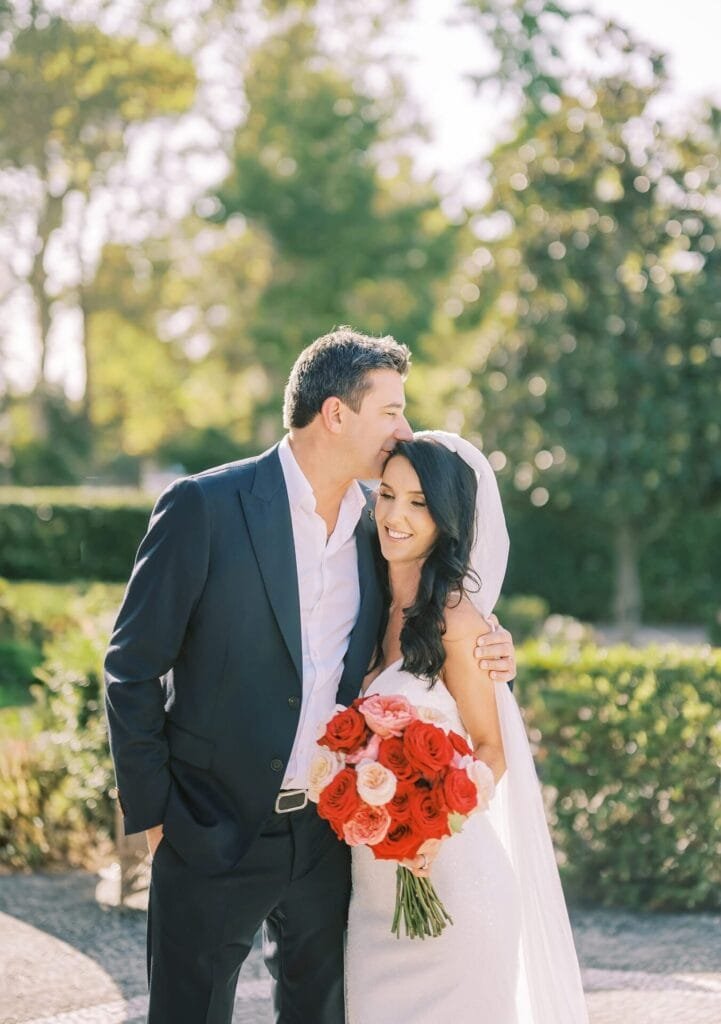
(550, 987)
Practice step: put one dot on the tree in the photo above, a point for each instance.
(592, 336)
(318, 170)
(68, 96)
(176, 377)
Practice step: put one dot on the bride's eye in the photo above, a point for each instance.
(384, 494)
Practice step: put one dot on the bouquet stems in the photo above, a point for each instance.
(417, 907)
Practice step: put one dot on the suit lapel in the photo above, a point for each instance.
(267, 514)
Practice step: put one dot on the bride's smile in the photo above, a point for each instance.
(406, 528)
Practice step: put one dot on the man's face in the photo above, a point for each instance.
(372, 433)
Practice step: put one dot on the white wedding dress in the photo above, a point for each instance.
(508, 958)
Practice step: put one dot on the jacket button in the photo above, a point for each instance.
(294, 702)
(276, 764)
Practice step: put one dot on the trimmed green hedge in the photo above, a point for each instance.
(629, 750)
(75, 533)
(567, 560)
(60, 534)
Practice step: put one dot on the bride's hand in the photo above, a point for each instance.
(420, 865)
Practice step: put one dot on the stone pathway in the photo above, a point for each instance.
(66, 959)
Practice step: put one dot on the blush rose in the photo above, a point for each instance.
(368, 826)
(387, 715)
(367, 753)
(376, 784)
(323, 768)
(482, 777)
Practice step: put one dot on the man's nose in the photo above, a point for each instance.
(403, 432)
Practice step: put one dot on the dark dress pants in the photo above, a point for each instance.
(296, 878)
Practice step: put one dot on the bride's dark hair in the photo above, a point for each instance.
(449, 486)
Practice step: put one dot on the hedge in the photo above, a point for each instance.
(60, 534)
(568, 560)
(55, 773)
(628, 747)
(629, 751)
(75, 533)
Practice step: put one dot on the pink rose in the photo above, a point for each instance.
(367, 753)
(376, 784)
(387, 715)
(368, 826)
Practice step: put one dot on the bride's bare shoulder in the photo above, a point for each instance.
(463, 620)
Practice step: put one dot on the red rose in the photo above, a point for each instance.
(339, 800)
(429, 812)
(402, 840)
(459, 743)
(427, 747)
(459, 791)
(400, 805)
(392, 756)
(346, 731)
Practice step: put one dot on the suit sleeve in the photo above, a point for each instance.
(165, 586)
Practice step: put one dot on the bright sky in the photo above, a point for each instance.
(463, 127)
(689, 31)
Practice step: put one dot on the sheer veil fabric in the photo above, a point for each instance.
(550, 986)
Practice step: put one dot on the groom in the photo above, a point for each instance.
(254, 607)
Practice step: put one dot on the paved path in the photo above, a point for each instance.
(66, 959)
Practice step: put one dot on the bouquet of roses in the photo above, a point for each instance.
(392, 776)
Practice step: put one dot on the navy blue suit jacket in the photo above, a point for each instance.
(204, 669)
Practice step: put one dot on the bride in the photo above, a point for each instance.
(508, 957)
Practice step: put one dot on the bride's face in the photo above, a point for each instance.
(405, 527)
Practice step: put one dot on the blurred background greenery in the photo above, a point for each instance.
(191, 192)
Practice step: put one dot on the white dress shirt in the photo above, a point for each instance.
(329, 595)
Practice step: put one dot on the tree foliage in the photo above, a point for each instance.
(69, 93)
(318, 171)
(593, 337)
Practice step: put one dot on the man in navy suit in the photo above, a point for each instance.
(253, 607)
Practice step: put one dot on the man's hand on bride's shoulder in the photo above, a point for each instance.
(495, 652)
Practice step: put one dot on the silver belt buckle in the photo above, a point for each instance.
(291, 800)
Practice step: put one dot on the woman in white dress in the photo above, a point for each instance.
(508, 957)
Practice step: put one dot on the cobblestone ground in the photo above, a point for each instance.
(66, 959)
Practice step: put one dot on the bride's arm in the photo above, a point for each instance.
(471, 687)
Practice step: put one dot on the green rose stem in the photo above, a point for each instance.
(418, 905)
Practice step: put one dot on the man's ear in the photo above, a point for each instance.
(332, 412)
